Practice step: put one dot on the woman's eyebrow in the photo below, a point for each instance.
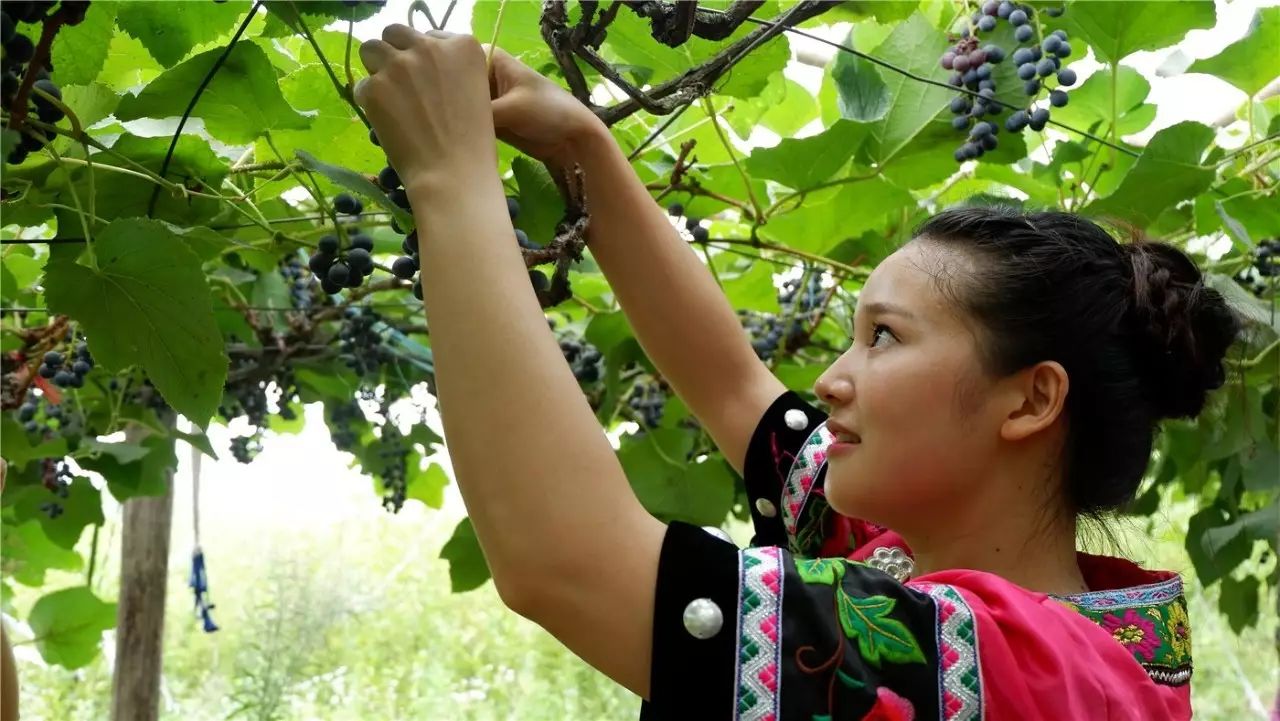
(889, 309)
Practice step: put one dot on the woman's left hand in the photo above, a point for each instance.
(427, 96)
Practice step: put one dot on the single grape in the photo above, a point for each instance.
(991, 7)
(1005, 10)
(675, 210)
(53, 358)
(971, 78)
(26, 412)
(960, 122)
(345, 203)
(328, 244)
(81, 367)
(338, 274)
(1051, 44)
(984, 72)
(360, 260)
(977, 58)
(956, 79)
(399, 197)
(946, 61)
(981, 129)
(700, 234)
(388, 178)
(1016, 121)
(1027, 71)
(986, 85)
(988, 142)
(1064, 50)
(1022, 56)
(1066, 77)
(987, 93)
(1062, 34)
(1024, 33)
(1058, 98)
(64, 378)
(1018, 18)
(329, 286)
(987, 23)
(961, 63)
(960, 104)
(1031, 87)
(539, 280)
(1045, 68)
(513, 206)
(995, 54)
(362, 241)
(319, 263)
(1054, 12)
(417, 289)
(18, 50)
(404, 267)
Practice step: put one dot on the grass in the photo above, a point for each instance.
(356, 621)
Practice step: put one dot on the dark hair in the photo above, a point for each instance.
(1140, 336)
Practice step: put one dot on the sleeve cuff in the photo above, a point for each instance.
(781, 433)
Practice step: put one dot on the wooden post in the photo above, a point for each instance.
(144, 575)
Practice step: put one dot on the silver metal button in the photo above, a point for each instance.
(893, 561)
(718, 533)
(766, 507)
(796, 419)
(702, 618)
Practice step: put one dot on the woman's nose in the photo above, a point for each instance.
(832, 388)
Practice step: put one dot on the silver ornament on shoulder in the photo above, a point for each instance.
(893, 561)
(766, 507)
(702, 618)
(796, 419)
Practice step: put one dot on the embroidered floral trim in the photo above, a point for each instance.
(759, 652)
(1149, 621)
(960, 682)
(800, 480)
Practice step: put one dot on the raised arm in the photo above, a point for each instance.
(679, 314)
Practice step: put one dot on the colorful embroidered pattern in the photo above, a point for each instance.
(759, 652)
(800, 480)
(1149, 621)
(960, 684)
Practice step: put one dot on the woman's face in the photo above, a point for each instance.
(911, 387)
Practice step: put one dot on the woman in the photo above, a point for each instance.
(1006, 372)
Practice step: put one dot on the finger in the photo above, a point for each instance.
(358, 92)
(375, 54)
(401, 37)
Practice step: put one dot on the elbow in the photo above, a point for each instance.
(518, 594)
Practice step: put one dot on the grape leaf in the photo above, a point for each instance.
(914, 45)
(169, 30)
(30, 552)
(671, 489)
(241, 102)
(1168, 171)
(82, 507)
(1251, 62)
(146, 302)
(147, 476)
(427, 485)
(320, 11)
(541, 206)
(1092, 102)
(68, 625)
(805, 162)
(79, 51)
(90, 103)
(15, 445)
(1119, 27)
(1238, 601)
(861, 93)
(468, 568)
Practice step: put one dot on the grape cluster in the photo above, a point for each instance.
(67, 374)
(336, 268)
(341, 430)
(1266, 265)
(648, 399)
(972, 65)
(30, 408)
(393, 459)
(294, 272)
(18, 51)
(245, 448)
(360, 345)
(691, 224)
(56, 476)
(583, 357)
(801, 303)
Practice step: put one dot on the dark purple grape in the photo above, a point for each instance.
(328, 244)
(977, 58)
(319, 263)
(404, 267)
(971, 78)
(1051, 44)
(1064, 50)
(987, 23)
(362, 241)
(1024, 33)
(1026, 71)
(1005, 10)
(960, 122)
(987, 85)
(1067, 77)
(984, 72)
(1045, 68)
(338, 274)
(360, 260)
(1018, 18)
(956, 79)
(947, 60)
(981, 129)
(1054, 12)
(987, 93)
(675, 210)
(960, 104)
(388, 178)
(988, 142)
(18, 50)
(373, 138)
(417, 289)
(700, 234)
(1016, 121)
(1022, 56)
(960, 63)
(1032, 87)
(995, 54)
(1058, 98)
(991, 7)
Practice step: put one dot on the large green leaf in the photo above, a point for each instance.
(169, 30)
(146, 476)
(79, 51)
(1252, 61)
(671, 488)
(194, 164)
(427, 485)
(146, 302)
(468, 568)
(68, 625)
(82, 507)
(805, 162)
(541, 206)
(29, 552)
(1238, 600)
(352, 180)
(1169, 171)
(242, 102)
(833, 215)
(1119, 27)
(16, 447)
(914, 45)
(319, 11)
(861, 93)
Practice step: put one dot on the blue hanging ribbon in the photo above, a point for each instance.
(200, 584)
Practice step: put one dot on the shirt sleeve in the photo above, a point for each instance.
(784, 473)
(760, 634)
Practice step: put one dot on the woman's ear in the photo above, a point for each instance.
(1039, 395)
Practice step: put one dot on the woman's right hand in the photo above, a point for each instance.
(534, 114)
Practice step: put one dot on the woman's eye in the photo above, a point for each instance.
(876, 331)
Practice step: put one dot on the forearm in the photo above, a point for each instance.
(535, 469)
(680, 315)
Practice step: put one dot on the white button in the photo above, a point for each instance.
(718, 533)
(702, 618)
(766, 507)
(796, 419)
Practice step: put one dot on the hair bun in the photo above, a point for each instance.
(1182, 327)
